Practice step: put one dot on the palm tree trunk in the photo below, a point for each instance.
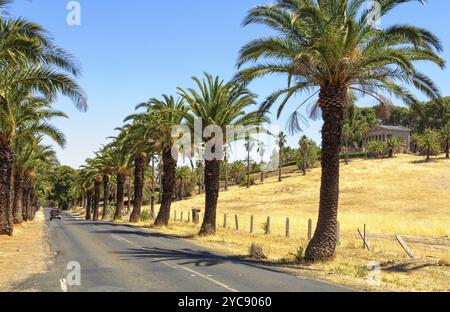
(139, 165)
(280, 166)
(32, 205)
(152, 198)
(248, 168)
(26, 198)
(212, 184)
(226, 173)
(447, 149)
(97, 187)
(105, 197)
(332, 101)
(120, 195)
(18, 198)
(6, 217)
(88, 204)
(129, 196)
(168, 182)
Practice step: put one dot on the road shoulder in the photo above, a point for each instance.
(24, 254)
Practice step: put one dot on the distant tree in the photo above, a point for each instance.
(394, 145)
(446, 137)
(308, 154)
(377, 149)
(430, 143)
(281, 141)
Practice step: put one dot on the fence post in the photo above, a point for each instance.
(364, 236)
(309, 230)
(237, 222)
(175, 216)
(287, 227)
(268, 226)
(224, 220)
(189, 218)
(182, 216)
(251, 224)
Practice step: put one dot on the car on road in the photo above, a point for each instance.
(55, 214)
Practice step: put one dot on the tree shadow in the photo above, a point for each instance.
(199, 258)
(406, 267)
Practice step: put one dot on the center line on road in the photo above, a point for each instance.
(177, 266)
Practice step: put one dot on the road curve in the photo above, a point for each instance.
(115, 258)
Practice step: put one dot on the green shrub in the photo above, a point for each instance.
(145, 215)
(377, 149)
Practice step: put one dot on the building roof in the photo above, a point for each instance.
(392, 128)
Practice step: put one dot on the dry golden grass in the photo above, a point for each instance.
(24, 254)
(402, 196)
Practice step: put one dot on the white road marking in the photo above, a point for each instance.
(177, 266)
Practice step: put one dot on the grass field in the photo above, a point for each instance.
(403, 195)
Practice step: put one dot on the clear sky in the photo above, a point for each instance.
(137, 49)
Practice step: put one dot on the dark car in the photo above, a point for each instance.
(55, 214)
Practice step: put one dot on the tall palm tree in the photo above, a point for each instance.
(32, 116)
(328, 49)
(158, 120)
(115, 157)
(281, 141)
(29, 61)
(217, 103)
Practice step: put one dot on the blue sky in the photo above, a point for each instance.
(137, 49)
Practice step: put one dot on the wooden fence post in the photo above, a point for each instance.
(182, 216)
(287, 227)
(224, 220)
(364, 236)
(268, 226)
(236, 218)
(365, 241)
(309, 230)
(189, 218)
(175, 216)
(405, 246)
(251, 224)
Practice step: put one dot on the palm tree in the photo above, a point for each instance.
(430, 143)
(221, 104)
(394, 144)
(415, 139)
(446, 137)
(329, 49)
(32, 115)
(249, 146)
(281, 141)
(118, 160)
(158, 120)
(29, 61)
(261, 151)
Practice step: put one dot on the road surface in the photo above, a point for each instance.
(115, 258)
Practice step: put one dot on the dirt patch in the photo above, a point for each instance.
(24, 254)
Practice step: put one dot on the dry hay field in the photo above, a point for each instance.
(399, 196)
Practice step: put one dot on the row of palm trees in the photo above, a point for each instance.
(149, 133)
(33, 71)
(329, 51)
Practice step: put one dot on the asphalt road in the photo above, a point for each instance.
(115, 258)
